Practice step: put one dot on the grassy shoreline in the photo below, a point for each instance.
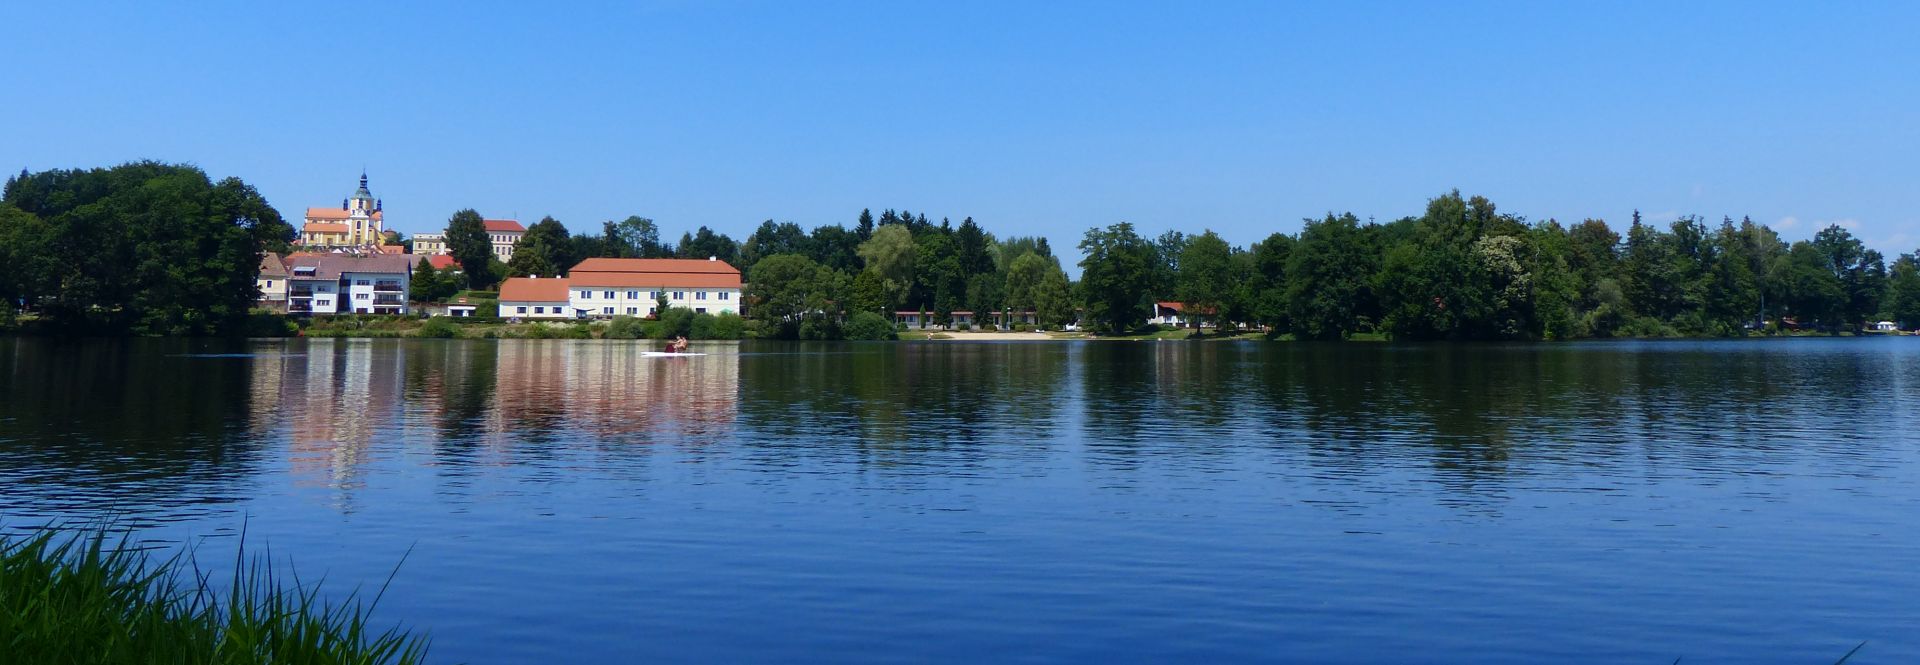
(77, 596)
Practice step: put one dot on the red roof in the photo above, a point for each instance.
(662, 273)
(655, 280)
(656, 265)
(323, 227)
(333, 213)
(441, 261)
(504, 226)
(1182, 308)
(530, 289)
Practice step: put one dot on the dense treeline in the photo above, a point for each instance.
(141, 248)
(151, 248)
(1465, 271)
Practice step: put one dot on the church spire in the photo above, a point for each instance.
(362, 193)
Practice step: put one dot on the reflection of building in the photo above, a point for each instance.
(358, 222)
(335, 397)
(605, 288)
(607, 388)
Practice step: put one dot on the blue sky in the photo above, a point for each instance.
(1033, 118)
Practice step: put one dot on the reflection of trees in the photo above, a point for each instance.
(906, 406)
(115, 416)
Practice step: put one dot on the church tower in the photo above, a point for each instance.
(363, 215)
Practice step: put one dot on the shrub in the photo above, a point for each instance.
(626, 327)
(963, 326)
(259, 323)
(1023, 327)
(727, 325)
(757, 329)
(438, 328)
(674, 322)
(814, 328)
(581, 330)
(869, 326)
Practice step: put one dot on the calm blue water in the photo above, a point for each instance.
(1725, 502)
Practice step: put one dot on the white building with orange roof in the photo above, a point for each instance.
(606, 288)
(358, 222)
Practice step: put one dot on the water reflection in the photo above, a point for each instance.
(1337, 502)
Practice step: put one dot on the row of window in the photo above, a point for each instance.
(655, 295)
(631, 311)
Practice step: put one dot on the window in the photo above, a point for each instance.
(723, 295)
(520, 310)
(700, 295)
(269, 283)
(633, 310)
(362, 296)
(362, 282)
(607, 294)
(322, 303)
(540, 310)
(631, 295)
(679, 295)
(606, 310)
(699, 310)
(586, 294)
(653, 295)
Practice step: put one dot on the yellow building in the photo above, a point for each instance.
(356, 223)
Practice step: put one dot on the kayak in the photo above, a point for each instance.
(668, 354)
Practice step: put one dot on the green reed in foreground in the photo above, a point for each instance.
(79, 597)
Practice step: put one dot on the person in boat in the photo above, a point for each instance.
(679, 345)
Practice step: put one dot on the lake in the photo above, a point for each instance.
(1720, 501)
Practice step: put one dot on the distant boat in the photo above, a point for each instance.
(668, 354)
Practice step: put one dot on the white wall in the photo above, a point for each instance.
(549, 310)
(641, 301)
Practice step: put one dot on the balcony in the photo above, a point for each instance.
(388, 287)
(388, 300)
(299, 307)
(300, 293)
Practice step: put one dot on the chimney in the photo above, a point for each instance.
(712, 258)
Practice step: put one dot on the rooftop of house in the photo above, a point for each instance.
(658, 273)
(330, 266)
(503, 226)
(334, 213)
(323, 227)
(442, 261)
(534, 289)
(273, 265)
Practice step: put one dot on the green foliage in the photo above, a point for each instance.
(1117, 272)
(471, 247)
(143, 248)
(545, 249)
(1327, 272)
(890, 254)
(438, 327)
(627, 327)
(1208, 280)
(726, 325)
(673, 322)
(869, 326)
(80, 598)
(259, 323)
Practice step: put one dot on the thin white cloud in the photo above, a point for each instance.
(1785, 223)
(1847, 223)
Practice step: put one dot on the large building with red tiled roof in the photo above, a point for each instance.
(605, 288)
(357, 223)
(504, 233)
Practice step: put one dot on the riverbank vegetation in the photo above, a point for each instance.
(142, 248)
(81, 597)
(157, 249)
